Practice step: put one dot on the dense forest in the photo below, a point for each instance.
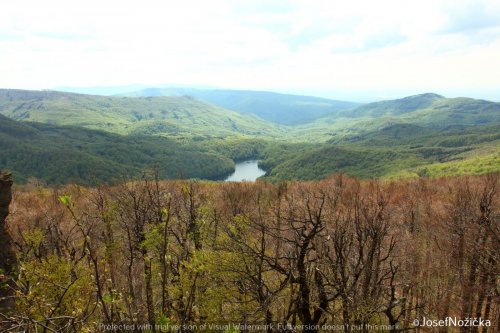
(69, 154)
(340, 254)
(59, 138)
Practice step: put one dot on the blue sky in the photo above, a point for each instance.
(341, 49)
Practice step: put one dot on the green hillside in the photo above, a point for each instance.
(174, 116)
(429, 111)
(283, 109)
(399, 150)
(109, 137)
(60, 155)
(394, 107)
(321, 162)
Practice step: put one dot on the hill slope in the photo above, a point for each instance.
(398, 150)
(283, 109)
(394, 107)
(175, 116)
(421, 135)
(431, 110)
(59, 155)
(427, 110)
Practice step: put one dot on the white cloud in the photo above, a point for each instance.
(388, 45)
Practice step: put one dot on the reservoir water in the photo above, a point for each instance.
(246, 171)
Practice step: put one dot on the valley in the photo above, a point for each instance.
(61, 137)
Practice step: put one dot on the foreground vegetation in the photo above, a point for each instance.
(357, 254)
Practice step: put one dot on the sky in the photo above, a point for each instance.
(351, 50)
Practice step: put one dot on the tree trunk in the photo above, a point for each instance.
(149, 291)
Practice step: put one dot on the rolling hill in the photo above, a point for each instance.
(422, 135)
(173, 116)
(394, 151)
(429, 111)
(394, 107)
(65, 137)
(68, 154)
(278, 108)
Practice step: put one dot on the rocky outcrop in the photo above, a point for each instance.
(7, 256)
(5, 194)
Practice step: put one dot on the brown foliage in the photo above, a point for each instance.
(338, 251)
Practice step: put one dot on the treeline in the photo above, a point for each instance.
(357, 254)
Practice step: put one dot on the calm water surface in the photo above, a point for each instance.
(246, 171)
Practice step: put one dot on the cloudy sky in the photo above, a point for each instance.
(341, 49)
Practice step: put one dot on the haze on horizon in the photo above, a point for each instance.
(345, 50)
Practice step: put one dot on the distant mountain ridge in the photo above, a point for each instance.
(187, 115)
(426, 110)
(395, 107)
(430, 104)
(285, 109)
(122, 89)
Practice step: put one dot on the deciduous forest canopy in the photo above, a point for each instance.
(340, 252)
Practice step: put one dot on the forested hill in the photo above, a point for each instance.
(68, 154)
(395, 107)
(173, 116)
(187, 117)
(430, 110)
(283, 109)
(422, 135)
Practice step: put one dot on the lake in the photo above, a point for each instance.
(246, 171)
